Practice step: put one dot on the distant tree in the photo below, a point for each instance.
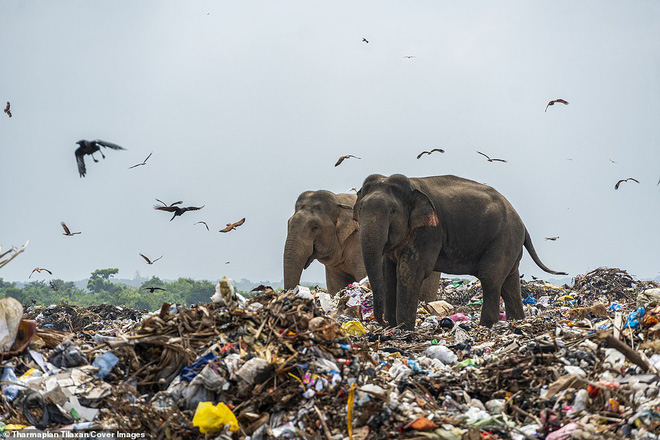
(100, 282)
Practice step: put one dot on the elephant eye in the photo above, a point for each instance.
(315, 228)
(393, 211)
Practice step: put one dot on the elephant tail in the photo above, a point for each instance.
(532, 252)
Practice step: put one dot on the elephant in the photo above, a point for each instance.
(410, 227)
(322, 228)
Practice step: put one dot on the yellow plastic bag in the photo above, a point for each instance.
(209, 418)
(354, 328)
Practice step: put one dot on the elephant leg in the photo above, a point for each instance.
(336, 280)
(490, 310)
(409, 282)
(512, 298)
(429, 289)
(390, 278)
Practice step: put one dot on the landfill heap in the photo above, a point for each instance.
(302, 364)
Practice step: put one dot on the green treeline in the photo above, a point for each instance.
(101, 290)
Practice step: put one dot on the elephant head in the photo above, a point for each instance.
(317, 230)
(388, 209)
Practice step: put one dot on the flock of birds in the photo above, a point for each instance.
(89, 147)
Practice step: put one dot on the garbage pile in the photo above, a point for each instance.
(305, 364)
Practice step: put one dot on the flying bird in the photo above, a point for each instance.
(556, 101)
(144, 162)
(439, 150)
(612, 161)
(365, 40)
(409, 56)
(231, 226)
(8, 109)
(175, 209)
(39, 269)
(67, 232)
(489, 159)
(204, 223)
(91, 147)
(624, 180)
(658, 183)
(551, 238)
(355, 190)
(151, 289)
(342, 158)
(148, 260)
(53, 286)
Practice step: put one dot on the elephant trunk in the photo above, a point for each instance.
(373, 237)
(297, 256)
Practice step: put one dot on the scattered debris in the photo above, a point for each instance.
(305, 364)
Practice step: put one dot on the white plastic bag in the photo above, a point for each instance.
(11, 312)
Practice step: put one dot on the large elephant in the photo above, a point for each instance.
(322, 228)
(410, 227)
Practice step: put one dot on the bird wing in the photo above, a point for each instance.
(49, 272)
(66, 229)
(33, 271)
(227, 229)
(165, 208)
(7, 107)
(561, 101)
(161, 202)
(439, 150)
(137, 165)
(350, 155)
(146, 259)
(157, 259)
(634, 180)
(498, 160)
(80, 159)
(341, 159)
(483, 155)
(618, 183)
(108, 144)
(422, 154)
(145, 161)
(240, 222)
(204, 223)
(194, 208)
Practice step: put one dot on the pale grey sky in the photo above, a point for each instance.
(247, 104)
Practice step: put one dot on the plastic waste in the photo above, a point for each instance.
(67, 355)
(327, 304)
(11, 312)
(466, 363)
(459, 317)
(634, 318)
(253, 370)
(105, 364)
(649, 298)
(8, 375)
(581, 400)
(529, 300)
(442, 353)
(354, 328)
(563, 433)
(303, 292)
(209, 418)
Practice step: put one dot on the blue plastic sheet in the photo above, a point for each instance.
(188, 373)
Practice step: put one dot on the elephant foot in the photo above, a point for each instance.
(487, 322)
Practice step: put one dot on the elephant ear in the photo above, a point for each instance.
(355, 208)
(423, 212)
(345, 223)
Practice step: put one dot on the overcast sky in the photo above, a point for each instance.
(247, 104)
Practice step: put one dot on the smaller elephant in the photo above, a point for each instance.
(322, 228)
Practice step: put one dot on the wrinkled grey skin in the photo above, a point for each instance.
(410, 227)
(322, 228)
